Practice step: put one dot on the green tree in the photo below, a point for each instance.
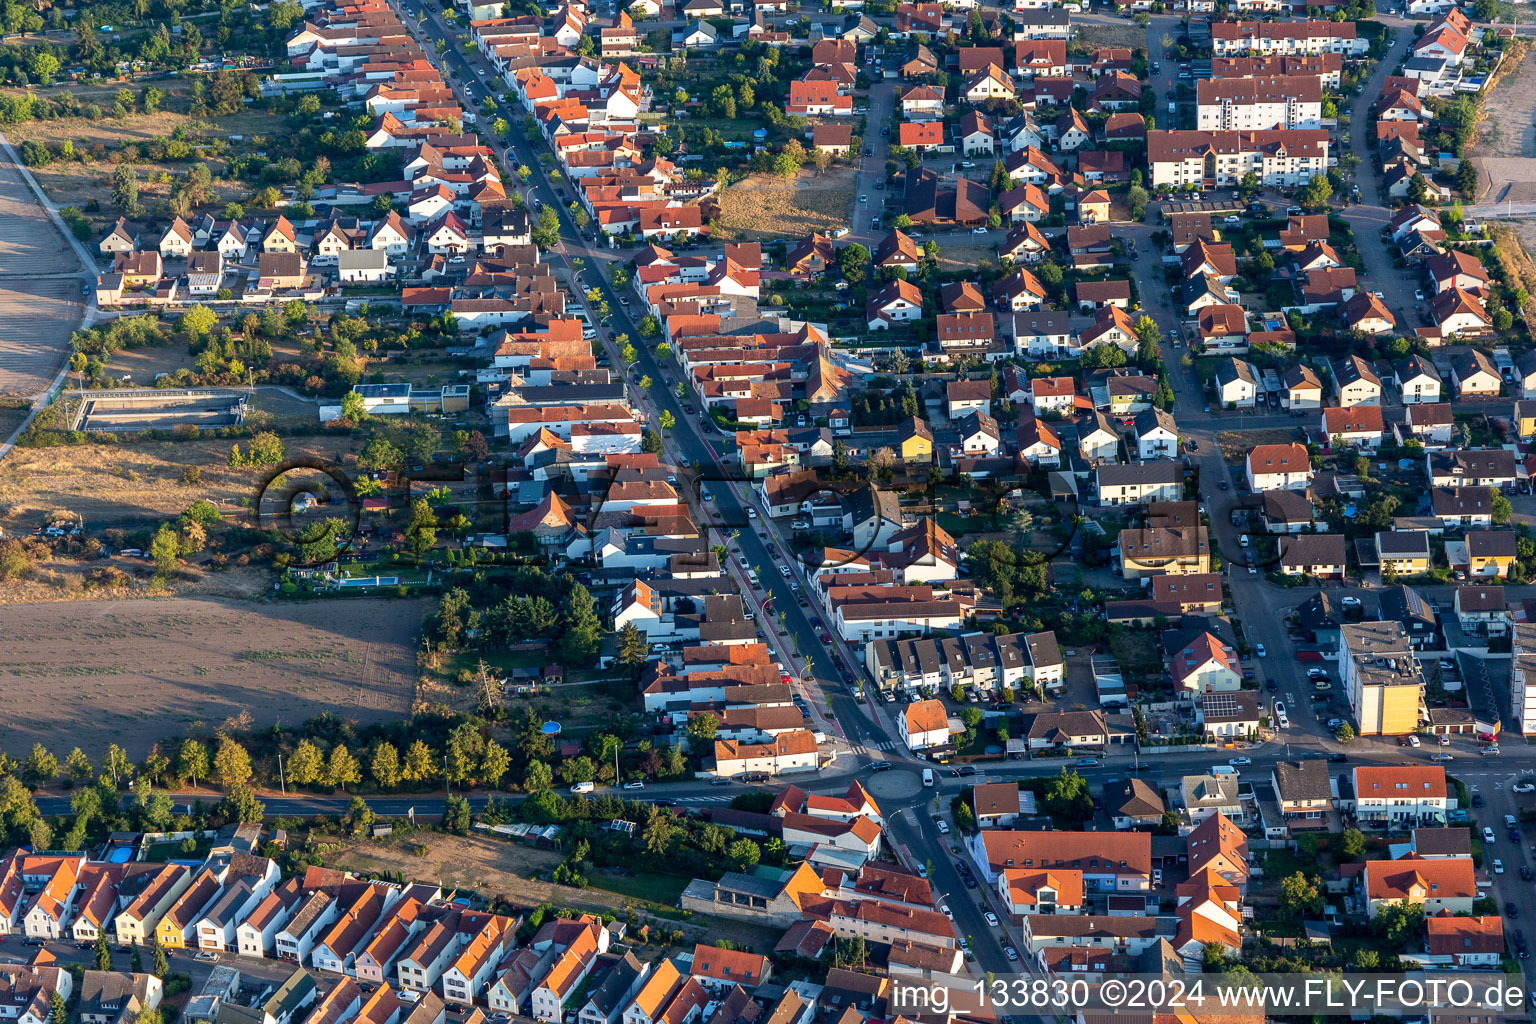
(1466, 174)
(1067, 794)
(1501, 508)
(1317, 193)
(385, 766)
(582, 638)
(494, 764)
(165, 549)
(702, 729)
(421, 532)
(659, 833)
(161, 961)
(1300, 896)
(306, 765)
(198, 320)
(420, 762)
(667, 421)
(634, 647)
(125, 190)
(743, 855)
(40, 767)
(192, 760)
(232, 764)
(1352, 844)
(537, 777)
(456, 816)
(103, 952)
(77, 766)
(342, 769)
(853, 262)
(353, 408)
(58, 1013)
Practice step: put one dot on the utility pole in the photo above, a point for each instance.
(280, 780)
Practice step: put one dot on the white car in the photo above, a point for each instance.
(1498, 867)
(863, 199)
(751, 512)
(1413, 741)
(784, 571)
(943, 828)
(944, 909)
(1259, 650)
(991, 920)
(1418, 294)
(1524, 787)
(1239, 762)
(978, 231)
(1488, 836)
(634, 785)
(1350, 602)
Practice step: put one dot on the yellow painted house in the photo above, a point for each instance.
(1525, 418)
(916, 441)
(1164, 551)
(179, 923)
(1490, 553)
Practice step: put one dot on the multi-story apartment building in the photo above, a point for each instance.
(1256, 104)
(1286, 38)
(1380, 672)
(1205, 159)
(1522, 678)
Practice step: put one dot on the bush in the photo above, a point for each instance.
(35, 154)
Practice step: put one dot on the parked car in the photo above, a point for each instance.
(1488, 835)
(991, 920)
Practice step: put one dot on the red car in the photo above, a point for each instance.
(824, 638)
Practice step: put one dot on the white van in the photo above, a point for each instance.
(928, 776)
(582, 787)
(1223, 769)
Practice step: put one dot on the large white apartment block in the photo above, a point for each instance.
(1282, 158)
(1258, 104)
(1522, 678)
(1286, 38)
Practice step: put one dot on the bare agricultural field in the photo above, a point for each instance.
(1508, 109)
(130, 485)
(763, 206)
(964, 257)
(76, 183)
(132, 672)
(1129, 35)
(495, 867)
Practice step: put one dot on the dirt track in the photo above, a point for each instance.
(135, 671)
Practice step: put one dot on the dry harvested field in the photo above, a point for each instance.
(77, 183)
(36, 315)
(495, 867)
(134, 671)
(763, 206)
(1131, 35)
(129, 485)
(963, 257)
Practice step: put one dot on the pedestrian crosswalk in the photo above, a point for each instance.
(871, 748)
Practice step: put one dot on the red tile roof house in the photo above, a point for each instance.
(817, 99)
(920, 135)
(1452, 941)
